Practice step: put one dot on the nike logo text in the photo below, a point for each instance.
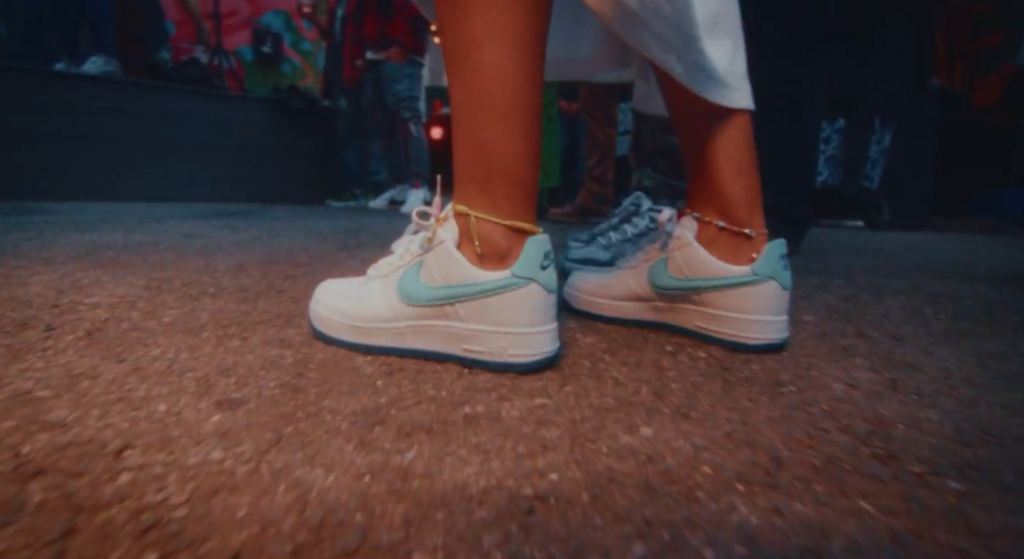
(547, 261)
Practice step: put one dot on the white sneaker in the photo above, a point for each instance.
(397, 194)
(417, 197)
(100, 65)
(426, 300)
(677, 285)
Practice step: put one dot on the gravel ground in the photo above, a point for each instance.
(161, 396)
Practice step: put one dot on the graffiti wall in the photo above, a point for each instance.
(302, 58)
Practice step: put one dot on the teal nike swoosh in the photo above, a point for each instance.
(412, 290)
(663, 280)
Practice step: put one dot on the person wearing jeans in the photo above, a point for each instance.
(384, 45)
(397, 156)
(373, 75)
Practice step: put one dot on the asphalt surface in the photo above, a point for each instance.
(161, 396)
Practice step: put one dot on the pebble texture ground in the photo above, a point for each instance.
(161, 396)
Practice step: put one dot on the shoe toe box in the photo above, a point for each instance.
(611, 284)
(345, 299)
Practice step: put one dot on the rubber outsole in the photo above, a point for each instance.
(732, 345)
(531, 367)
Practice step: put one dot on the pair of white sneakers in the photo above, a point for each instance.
(410, 198)
(426, 300)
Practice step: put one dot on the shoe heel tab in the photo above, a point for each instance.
(537, 263)
(774, 264)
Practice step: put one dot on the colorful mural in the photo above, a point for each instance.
(303, 47)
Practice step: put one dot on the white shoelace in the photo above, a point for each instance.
(639, 224)
(413, 242)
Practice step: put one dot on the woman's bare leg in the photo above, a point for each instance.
(494, 55)
(723, 181)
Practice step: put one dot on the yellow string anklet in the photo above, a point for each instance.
(473, 215)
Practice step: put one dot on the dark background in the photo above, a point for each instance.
(77, 138)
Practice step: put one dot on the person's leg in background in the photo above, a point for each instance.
(402, 85)
(599, 107)
(846, 129)
(348, 117)
(570, 133)
(474, 283)
(377, 132)
(713, 275)
(101, 56)
(72, 17)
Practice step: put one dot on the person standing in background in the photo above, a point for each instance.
(374, 71)
(63, 21)
(327, 16)
(384, 48)
(599, 107)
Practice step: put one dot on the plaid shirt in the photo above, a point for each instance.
(379, 25)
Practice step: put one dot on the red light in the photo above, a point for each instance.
(436, 133)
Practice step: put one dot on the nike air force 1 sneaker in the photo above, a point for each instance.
(426, 300)
(677, 285)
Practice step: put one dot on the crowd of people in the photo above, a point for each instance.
(368, 62)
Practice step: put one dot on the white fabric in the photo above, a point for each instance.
(698, 42)
(582, 48)
(647, 97)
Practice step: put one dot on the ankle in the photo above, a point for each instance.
(500, 246)
(729, 247)
(733, 241)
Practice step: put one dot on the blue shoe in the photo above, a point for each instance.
(632, 205)
(617, 243)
